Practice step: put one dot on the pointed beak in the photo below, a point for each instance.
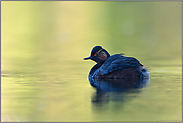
(87, 58)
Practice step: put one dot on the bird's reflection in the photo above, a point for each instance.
(109, 90)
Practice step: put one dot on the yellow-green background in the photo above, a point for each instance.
(43, 43)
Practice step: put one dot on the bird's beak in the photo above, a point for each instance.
(87, 58)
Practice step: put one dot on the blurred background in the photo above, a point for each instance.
(44, 77)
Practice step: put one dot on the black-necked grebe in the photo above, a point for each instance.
(116, 66)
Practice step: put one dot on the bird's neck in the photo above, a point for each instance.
(94, 68)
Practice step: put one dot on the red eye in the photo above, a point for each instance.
(95, 54)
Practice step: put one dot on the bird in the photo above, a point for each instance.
(115, 66)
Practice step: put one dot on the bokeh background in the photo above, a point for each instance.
(44, 77)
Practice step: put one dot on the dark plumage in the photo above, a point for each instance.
(116, 66)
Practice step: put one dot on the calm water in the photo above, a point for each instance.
(57, 94)
(44, 77)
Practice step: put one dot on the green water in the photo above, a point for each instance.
(44, 77)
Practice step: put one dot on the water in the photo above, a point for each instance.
(44, 77)
(66, 95)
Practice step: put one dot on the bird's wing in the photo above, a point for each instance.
(118, 62)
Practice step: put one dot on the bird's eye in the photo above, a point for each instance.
(95, 54)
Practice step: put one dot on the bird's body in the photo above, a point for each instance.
(116, 66)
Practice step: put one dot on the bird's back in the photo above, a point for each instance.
(119, 66)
